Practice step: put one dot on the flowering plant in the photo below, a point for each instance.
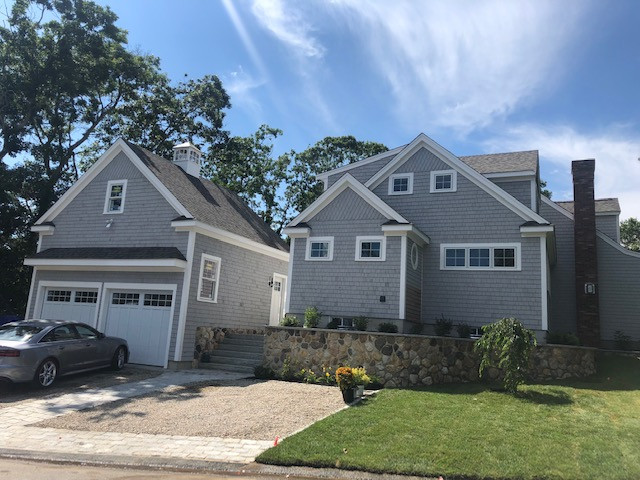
(360, 376)
(344, 378)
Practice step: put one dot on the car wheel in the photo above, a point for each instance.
(46, 373)
(119, 358)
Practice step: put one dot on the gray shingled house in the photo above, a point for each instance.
(143, 248)
(416, 233)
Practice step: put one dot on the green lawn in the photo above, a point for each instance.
(569, 430)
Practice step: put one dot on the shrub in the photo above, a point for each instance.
(360, 376)
(416, 328)
(562, 338)
(344, 378)
(506, 345)
(333, 324)
(464, 330)
(289, 321)
(361, 323)
(311, 317)
(443, 326)
(621, 341)
(388, 327)
(327, 377)
(376, 382)
(288, 371)
(264, 373)
(308, 376)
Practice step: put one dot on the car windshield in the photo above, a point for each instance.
(18, 333)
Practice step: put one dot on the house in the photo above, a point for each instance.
(416, 233)
(143, 248)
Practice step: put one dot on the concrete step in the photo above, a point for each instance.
(244, 340)
(250, 349)
(248, 361)
(237, 352)
(228, 368)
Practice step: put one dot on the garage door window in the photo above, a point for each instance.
(125, 299)
(209, 279)
(86, 297)
(157, 300)
(59, 296)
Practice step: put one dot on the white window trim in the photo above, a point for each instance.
(383, 248)
(108, 196)
(328, 258)
(211, 258)
(408, 176)
(491, 247)
(415, 256)
(454, 181)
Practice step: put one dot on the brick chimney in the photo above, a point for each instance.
(586, 255)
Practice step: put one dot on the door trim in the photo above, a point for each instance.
(44, 284)
(110, 287)
(283, 293)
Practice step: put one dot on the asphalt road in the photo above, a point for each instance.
(23, 470)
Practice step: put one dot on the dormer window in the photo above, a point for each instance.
(443, 181)
(116, 191)
(401, 184)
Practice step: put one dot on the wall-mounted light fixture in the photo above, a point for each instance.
(109, 222)
(270, 282)
(590, 288)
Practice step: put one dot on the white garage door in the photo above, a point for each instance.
(70, 304)
(142, 318)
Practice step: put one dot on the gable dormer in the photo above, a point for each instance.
(188, 157)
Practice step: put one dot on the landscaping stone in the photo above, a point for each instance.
(209, 339)
(406, 360)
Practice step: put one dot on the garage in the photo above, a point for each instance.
(70, 304)
(143, 319)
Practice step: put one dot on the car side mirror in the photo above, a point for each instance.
(101, 335)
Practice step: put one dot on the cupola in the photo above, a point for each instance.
(188, 157)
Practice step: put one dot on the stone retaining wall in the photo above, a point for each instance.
(409, 360)
(209, 338)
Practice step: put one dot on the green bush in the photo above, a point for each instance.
(621, 341)
(264, 373)
(289, 321)
(361, 323)
(416, 328)
(333, 324)
(464, 330)
(443, 326)
(562, 338)
(388, 327)
(506, 345)
(311, 317)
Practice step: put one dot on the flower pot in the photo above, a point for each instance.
(359, 391)
(348, 395)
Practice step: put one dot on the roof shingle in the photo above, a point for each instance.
(503, 162)
(116, 253)
(603, 205)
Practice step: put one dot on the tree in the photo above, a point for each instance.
(327, 154)
(61, 78)
(630, 234)
(544, 190)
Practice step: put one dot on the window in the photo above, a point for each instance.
(59, 334)
(209, 279)
(86, 333)
(444, 181)
(116, 190)
(401, 184)
(125, 299)
(469, 256)
(344, 323)
(414, 256)
(371, 249)
(157, 300)
(59, 296)
(86, 297)
(319, 249)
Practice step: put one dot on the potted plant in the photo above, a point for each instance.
(346, 383)
(361, 380)
(311, 317)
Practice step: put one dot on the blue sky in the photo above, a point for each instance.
(478, 77)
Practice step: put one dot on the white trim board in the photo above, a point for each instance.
(228, 237)
(366, 161)
(402, 300)
(119, 146)
(287, 300)
(184, 299)
(422, 141)
(544, 283)
(347, 181)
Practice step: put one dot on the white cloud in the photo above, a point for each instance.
(240, 86)
(289, 26)
(616, 153)
(462, 64)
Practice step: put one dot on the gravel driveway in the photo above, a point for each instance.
(248, 409)
(13, 394)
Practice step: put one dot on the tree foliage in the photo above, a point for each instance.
(630, 234)
(544, 190)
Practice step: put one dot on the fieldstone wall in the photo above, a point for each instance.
(209, 338)
(409, 360)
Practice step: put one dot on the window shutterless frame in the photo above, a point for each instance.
(371, 249)
(401, 184)
(210, 277)
(112, 196)
(319, 249)
(443, 181)
(480, 256)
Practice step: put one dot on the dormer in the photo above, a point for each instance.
(188, 157)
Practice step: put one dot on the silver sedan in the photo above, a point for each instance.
(42, 350)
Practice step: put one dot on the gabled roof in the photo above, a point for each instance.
(603, 206)
(503, 162)
(210, 203)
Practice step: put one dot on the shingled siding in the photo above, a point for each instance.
(563, 276)
(145, 221)
(363, 173)
(619, 293)
(608, 224)
(469, 215)
(244, 294)
(521, 190)
(118, 277)
(344, 286)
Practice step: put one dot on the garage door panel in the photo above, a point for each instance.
(70, 304)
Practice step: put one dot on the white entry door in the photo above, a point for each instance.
(143, 319)
(70, 304)
(278, 291)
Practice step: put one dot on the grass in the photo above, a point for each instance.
(571, 429)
